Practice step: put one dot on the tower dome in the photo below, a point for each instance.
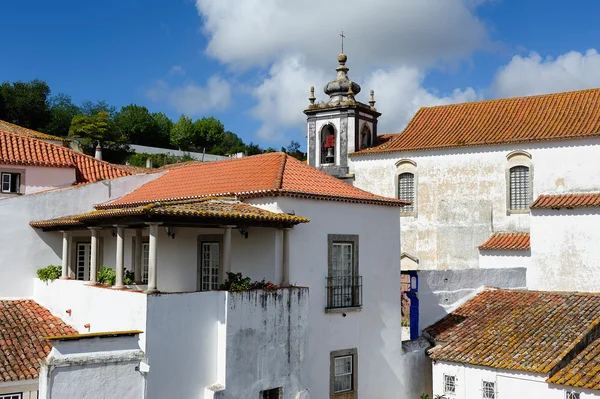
(337, 89)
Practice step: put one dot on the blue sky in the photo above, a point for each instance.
(250, 62)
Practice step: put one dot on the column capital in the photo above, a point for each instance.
(68, 232)
(154, 223)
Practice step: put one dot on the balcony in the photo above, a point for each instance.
(344, 293)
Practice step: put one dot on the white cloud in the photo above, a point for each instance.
(177, 70)
(192, 99)
(536, 75)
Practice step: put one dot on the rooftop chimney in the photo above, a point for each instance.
(98, 154)
(149, 163)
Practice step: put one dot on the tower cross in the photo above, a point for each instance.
(342, 35)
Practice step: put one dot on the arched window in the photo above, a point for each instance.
(406, 190)
(365, 137)
(328, 144)
(519, 188)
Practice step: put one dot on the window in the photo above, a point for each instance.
(11, 396)
(449, 384)
(344, 285)
(84, 256)
(519, 188)
(406, 190)
(344, 373)
(145, 261)
(11, 182)
(276, 393)
(571, 395)
(328, 144)
(210, 265)
(365, 137)
(488, 390)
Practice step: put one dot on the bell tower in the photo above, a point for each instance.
(339, 126)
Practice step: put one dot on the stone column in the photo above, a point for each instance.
(120, 265)
(94, 256)
(65, 254)
(137, 267)
(152, 272)
(226, 252)
(285, 259)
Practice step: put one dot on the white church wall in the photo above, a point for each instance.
(565, 251)
(30, 248)
(462, 193)
(504, 259)
(379, 348)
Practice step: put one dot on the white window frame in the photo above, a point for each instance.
(344, 354)
(344, 290)
(82, 270)
(145, 261)
(572, 395)
(16, 395)
(515, 159)
(213, 279)
(343, 374)
(446, 381)
(485, 389)
(11, 176)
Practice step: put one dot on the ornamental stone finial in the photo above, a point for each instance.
(372, 99)
(312, 95)
(350, 92)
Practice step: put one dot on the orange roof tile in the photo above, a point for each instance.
(558, 116)
(583, 371)
(568, 201)
(19, 149)
(23, 326)
(506, 241)
(517, 330)
(273, 174)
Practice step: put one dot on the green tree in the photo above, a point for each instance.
(164, 128)
(183, 133)
(91, 108)
(158, 160)
(253, 149)
(62, 112)
(98, 129)
(230, 144)
(294, 150)
(137, 125)
(25, 103)
(209, 133)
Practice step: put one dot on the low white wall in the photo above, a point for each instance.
(93, 368)
(41, 179)
(104, 309)
(504, 259)
(266, 343)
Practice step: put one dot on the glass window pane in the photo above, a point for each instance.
(406, 190)
(519, 188)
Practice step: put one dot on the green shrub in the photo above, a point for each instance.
(106, 275)
(129, 277)
(235, 282)
(49, 273)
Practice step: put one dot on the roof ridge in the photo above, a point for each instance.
(35, 140)
(281, 171)
(50, 136)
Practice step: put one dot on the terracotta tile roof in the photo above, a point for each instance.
(215, 208)
(558, 116)
(506, 241)
(19, 149)
(516, 330)
(11, 127)
(568, 201)
(273, 174)
(583, 371)
(23, 326)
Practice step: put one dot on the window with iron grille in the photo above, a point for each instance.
(344, 285)
(11, 396)
(449, 384)
(406, 190)
(519, 188)
(488, 390)
(276, 393)
(571, 395)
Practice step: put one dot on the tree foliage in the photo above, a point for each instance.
(96, 129)
(62, 112)
(25, 103)
(158, 160)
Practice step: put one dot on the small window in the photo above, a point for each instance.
(11, 183)
(344, 285)
(11, 396)
(519, 188)
(276, 393)
(406, 190)
(449, 384)
(211, 265)
(571, 395)
(488, 390)
(342, 378)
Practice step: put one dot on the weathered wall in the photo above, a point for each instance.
(375, 329)
(510, 384)
(93, 368)
(266, 342)
(564, 250)
(26, 249)
(462, 193)
(416, 367)
(35, 178)
(504, 259)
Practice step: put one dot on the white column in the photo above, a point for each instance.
(94, 255)
(120, 265)
(137, 268)
(226, 252)
(65, 254)
(152, 272)
(285, 259)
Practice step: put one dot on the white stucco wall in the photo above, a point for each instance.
(564, 250)
(510, 384)
(35, 178)
(504, 259)
(375, 330)
(26, 249)
(462, 193)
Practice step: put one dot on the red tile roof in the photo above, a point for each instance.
(19, 149)
(583, 371)
(23, 326)
(568, 201)
(273, 174)
(558, 116)
(11, 127)
(517, 330)
(506, 241)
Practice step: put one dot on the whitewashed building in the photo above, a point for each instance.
(518, 344)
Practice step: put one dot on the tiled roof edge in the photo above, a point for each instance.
(576, 348)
